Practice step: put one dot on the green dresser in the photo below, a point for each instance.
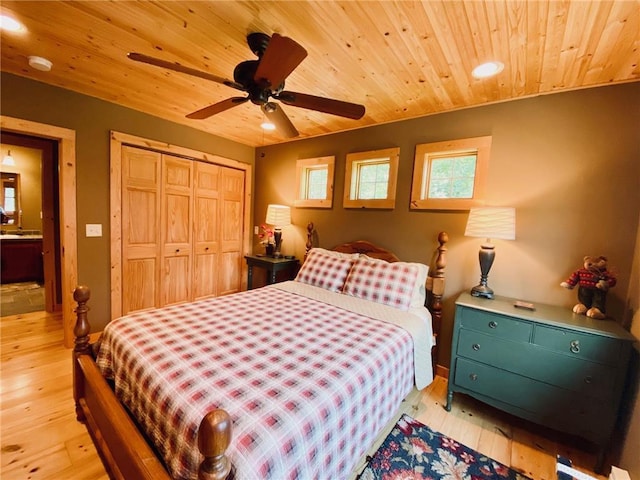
(550, 366)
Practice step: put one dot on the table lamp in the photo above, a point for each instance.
(279, 216)
(489, 222)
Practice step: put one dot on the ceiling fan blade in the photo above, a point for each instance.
(280, 58)
(211, 110)
(321, 104)
(276, 115)
(141, 57)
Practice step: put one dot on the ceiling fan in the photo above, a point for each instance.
(263, 80)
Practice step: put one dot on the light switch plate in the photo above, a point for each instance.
(93, 229)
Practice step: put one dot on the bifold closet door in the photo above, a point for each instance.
(141, 204)
(182, 229)
(176, 213)
(232, 206)
(206, 229)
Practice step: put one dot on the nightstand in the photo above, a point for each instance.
(549, 366)
(272, 266)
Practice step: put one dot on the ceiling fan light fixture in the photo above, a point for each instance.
(488, 69)
(270, 107)
(268, 126)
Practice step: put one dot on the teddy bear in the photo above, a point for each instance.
(593, 280)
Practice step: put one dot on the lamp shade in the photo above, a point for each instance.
(8, 159)
(278, 215)
(492, 222)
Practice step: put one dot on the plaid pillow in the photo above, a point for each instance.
(326, 269)
(391, 284)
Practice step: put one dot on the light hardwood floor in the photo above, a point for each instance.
(41, 438)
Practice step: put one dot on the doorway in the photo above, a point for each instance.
(68, 250)
(31, 256)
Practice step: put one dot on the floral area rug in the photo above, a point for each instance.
(412, 451)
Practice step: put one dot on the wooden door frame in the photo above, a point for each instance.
(66, 139)
(118, 139)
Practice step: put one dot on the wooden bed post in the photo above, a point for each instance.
(214, 436)
(309, 244)
(435, 291)
(81, 332)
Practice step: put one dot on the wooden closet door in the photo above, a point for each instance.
(141, 170)
(176, 231)
(231, 230)
(206, 229)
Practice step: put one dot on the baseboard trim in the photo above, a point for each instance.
(442, 371)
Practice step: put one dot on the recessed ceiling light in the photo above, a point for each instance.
(10, 24)
(40, 63)
(268, 126)
(487, 69)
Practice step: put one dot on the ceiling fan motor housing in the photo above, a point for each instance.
(258, 94)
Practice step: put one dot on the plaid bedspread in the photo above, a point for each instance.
(308, 385)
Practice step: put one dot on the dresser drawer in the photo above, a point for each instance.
(579, 345)
(589, 378)
(545, 403)
(497, 325)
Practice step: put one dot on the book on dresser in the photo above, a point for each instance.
(544, 364)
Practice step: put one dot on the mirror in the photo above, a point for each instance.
(10, 200)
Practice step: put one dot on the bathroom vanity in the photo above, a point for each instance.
(21, 258)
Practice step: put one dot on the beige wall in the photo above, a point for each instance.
(568, 162)
(92, 119)
(28, 165)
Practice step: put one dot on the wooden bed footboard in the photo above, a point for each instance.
(122, 448)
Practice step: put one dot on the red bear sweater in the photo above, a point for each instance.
(589, 279)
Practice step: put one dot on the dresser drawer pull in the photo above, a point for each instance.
(588, 379)
(476, 346)
(493, 324)
(473, 377)
(575, 346)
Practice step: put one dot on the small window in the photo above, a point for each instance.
(370, 179)
(315, 182)
(450, 175)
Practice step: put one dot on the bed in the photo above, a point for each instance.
(293, 380)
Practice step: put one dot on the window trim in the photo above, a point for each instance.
(481, 146)
(393, 154)
(302, 167)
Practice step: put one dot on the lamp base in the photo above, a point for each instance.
(482, 291)
(277, 237)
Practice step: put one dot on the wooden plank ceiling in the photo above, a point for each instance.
(399, 59)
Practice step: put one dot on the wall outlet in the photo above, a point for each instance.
(93, 229)
(256, 229)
